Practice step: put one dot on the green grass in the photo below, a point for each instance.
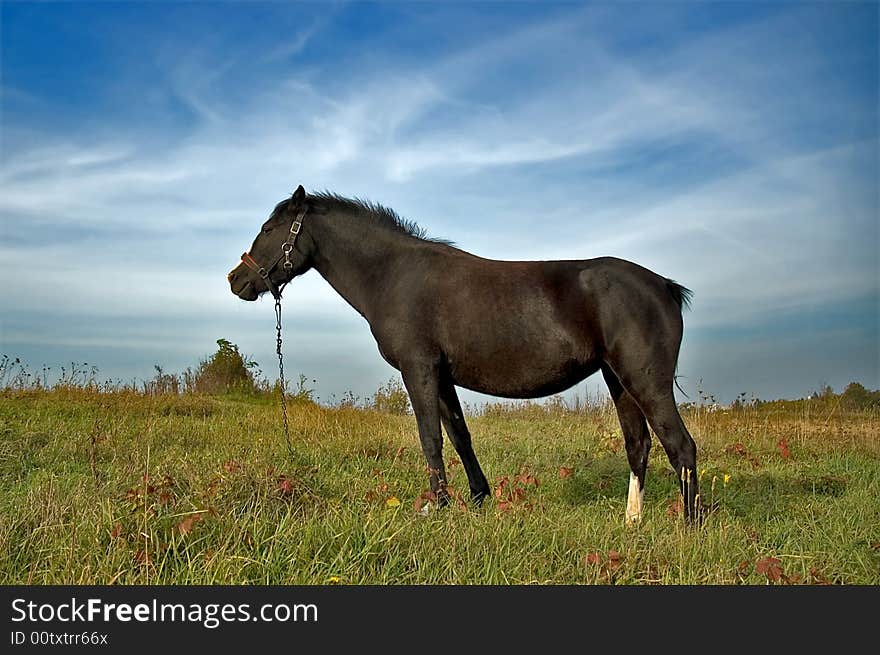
(100, 488)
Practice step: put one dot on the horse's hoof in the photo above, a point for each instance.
(477, 497)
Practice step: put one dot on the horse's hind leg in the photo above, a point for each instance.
(637, 439)
(656, 399)
(663, 415)
(647, 374)
(453, 420)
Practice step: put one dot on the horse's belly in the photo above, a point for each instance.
(521, 332)
(520, 373)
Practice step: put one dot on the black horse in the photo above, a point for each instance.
(517, 329)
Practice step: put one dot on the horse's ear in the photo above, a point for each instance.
(299, 195)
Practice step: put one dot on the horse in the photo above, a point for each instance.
(444, 317)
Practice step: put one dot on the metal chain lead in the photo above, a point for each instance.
(281, 376)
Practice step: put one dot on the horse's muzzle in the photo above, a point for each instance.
(240, 285)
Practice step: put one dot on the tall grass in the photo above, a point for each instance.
(115, 485)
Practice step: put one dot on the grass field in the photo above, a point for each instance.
(129, 488)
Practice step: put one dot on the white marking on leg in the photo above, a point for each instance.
(634, 500)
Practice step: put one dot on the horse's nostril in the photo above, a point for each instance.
(231, 276)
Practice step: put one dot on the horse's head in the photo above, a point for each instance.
(278, 254)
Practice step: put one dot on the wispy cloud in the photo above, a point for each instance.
(705, 159)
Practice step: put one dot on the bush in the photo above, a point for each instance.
(227, 370)
(301, 393)
(857, 396)
(392, 398)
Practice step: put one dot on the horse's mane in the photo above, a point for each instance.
(381, 216)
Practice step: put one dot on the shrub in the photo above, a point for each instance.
(162, 383)
(857, 396)
(227, 370)
(301, 393)
(392, 398)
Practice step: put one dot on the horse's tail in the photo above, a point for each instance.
(682, 297)
(680, 294)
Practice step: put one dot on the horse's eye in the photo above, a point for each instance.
(267, 229)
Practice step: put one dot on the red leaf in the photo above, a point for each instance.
(565, 472)
(426, 497)
(231, 466)
(817, 577)
(456, 496)
(143, 557)
(593, 559)
(511, 492)
(771, 567)
(675, 507)
(213, 485)
(186, 525)
(783, 448)
(285, 486)
(614, 559)
(739, 449)
(116, 532)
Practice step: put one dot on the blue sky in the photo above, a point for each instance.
(731, 146)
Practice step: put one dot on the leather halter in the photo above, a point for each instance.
(286, 249)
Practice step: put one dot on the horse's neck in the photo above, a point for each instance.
(355, 257)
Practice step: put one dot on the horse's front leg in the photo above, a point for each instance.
(421, 380)
(452, 418)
